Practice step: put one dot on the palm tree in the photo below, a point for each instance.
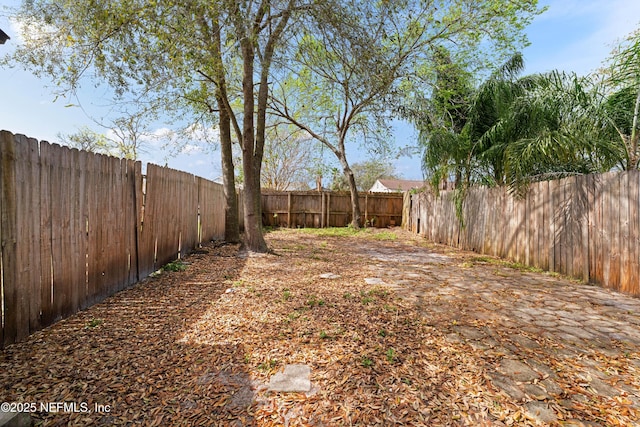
(491, 125)
(559, 131)
(623, 107)
(538, 127)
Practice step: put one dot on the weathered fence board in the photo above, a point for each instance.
(11, 307)
(76, 227)
(584, 226)
(323, 209)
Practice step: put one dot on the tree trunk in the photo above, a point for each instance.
(254, 238)
(251, 161)
(356, 217)
(231, 220)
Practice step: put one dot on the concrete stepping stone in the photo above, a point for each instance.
(15, 419)
(294, 378)
(540, 412)
(329, 276)
(374, 281)
(508, 386)
(517, 370)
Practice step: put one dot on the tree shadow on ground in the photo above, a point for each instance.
(129, 356)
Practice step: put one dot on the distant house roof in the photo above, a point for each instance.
(395, 185)
(3, 37)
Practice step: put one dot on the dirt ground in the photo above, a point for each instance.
(396, 331)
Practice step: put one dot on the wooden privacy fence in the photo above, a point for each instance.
(587, 226)
(319, 209)
(77, 227)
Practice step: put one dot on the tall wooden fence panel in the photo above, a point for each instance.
(316, 209)
(587, 226)
(76, 227)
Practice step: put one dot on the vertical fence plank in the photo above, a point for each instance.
(46, 292)
(571, 242)
(28, 234)
(579, 201)
(82, 232)
(584, 224)
(23, 236)
(58, 193)
(75, 255)
(559, 229)
(592, 230)
(550, 213)
(633, 283)
(541, 254)
(601, 230)
(625, 237)
(614, 227)
(547, 209)
(93, 220)
(9, 236)
(531, 227)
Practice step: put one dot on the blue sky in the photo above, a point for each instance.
(573, 35)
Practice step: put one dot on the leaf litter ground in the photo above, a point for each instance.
(377, 316)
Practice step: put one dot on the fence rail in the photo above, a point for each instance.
(77, 227)
(587, 226)
(319, 209)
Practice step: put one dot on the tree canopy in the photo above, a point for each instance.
(347, 64)
(355, 63)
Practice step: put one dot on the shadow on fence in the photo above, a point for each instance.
(586, 226)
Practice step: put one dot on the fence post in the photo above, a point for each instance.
(289, 210)
(366, 208)
(322, 224)
(328, 210)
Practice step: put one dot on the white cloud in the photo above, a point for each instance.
(200, 133)
(190, 149)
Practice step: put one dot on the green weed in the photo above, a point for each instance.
(366, 362)
(176, 265)
(267, 366)
(94, 323)
(366, 300)
(314, 301)
(391, 355)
